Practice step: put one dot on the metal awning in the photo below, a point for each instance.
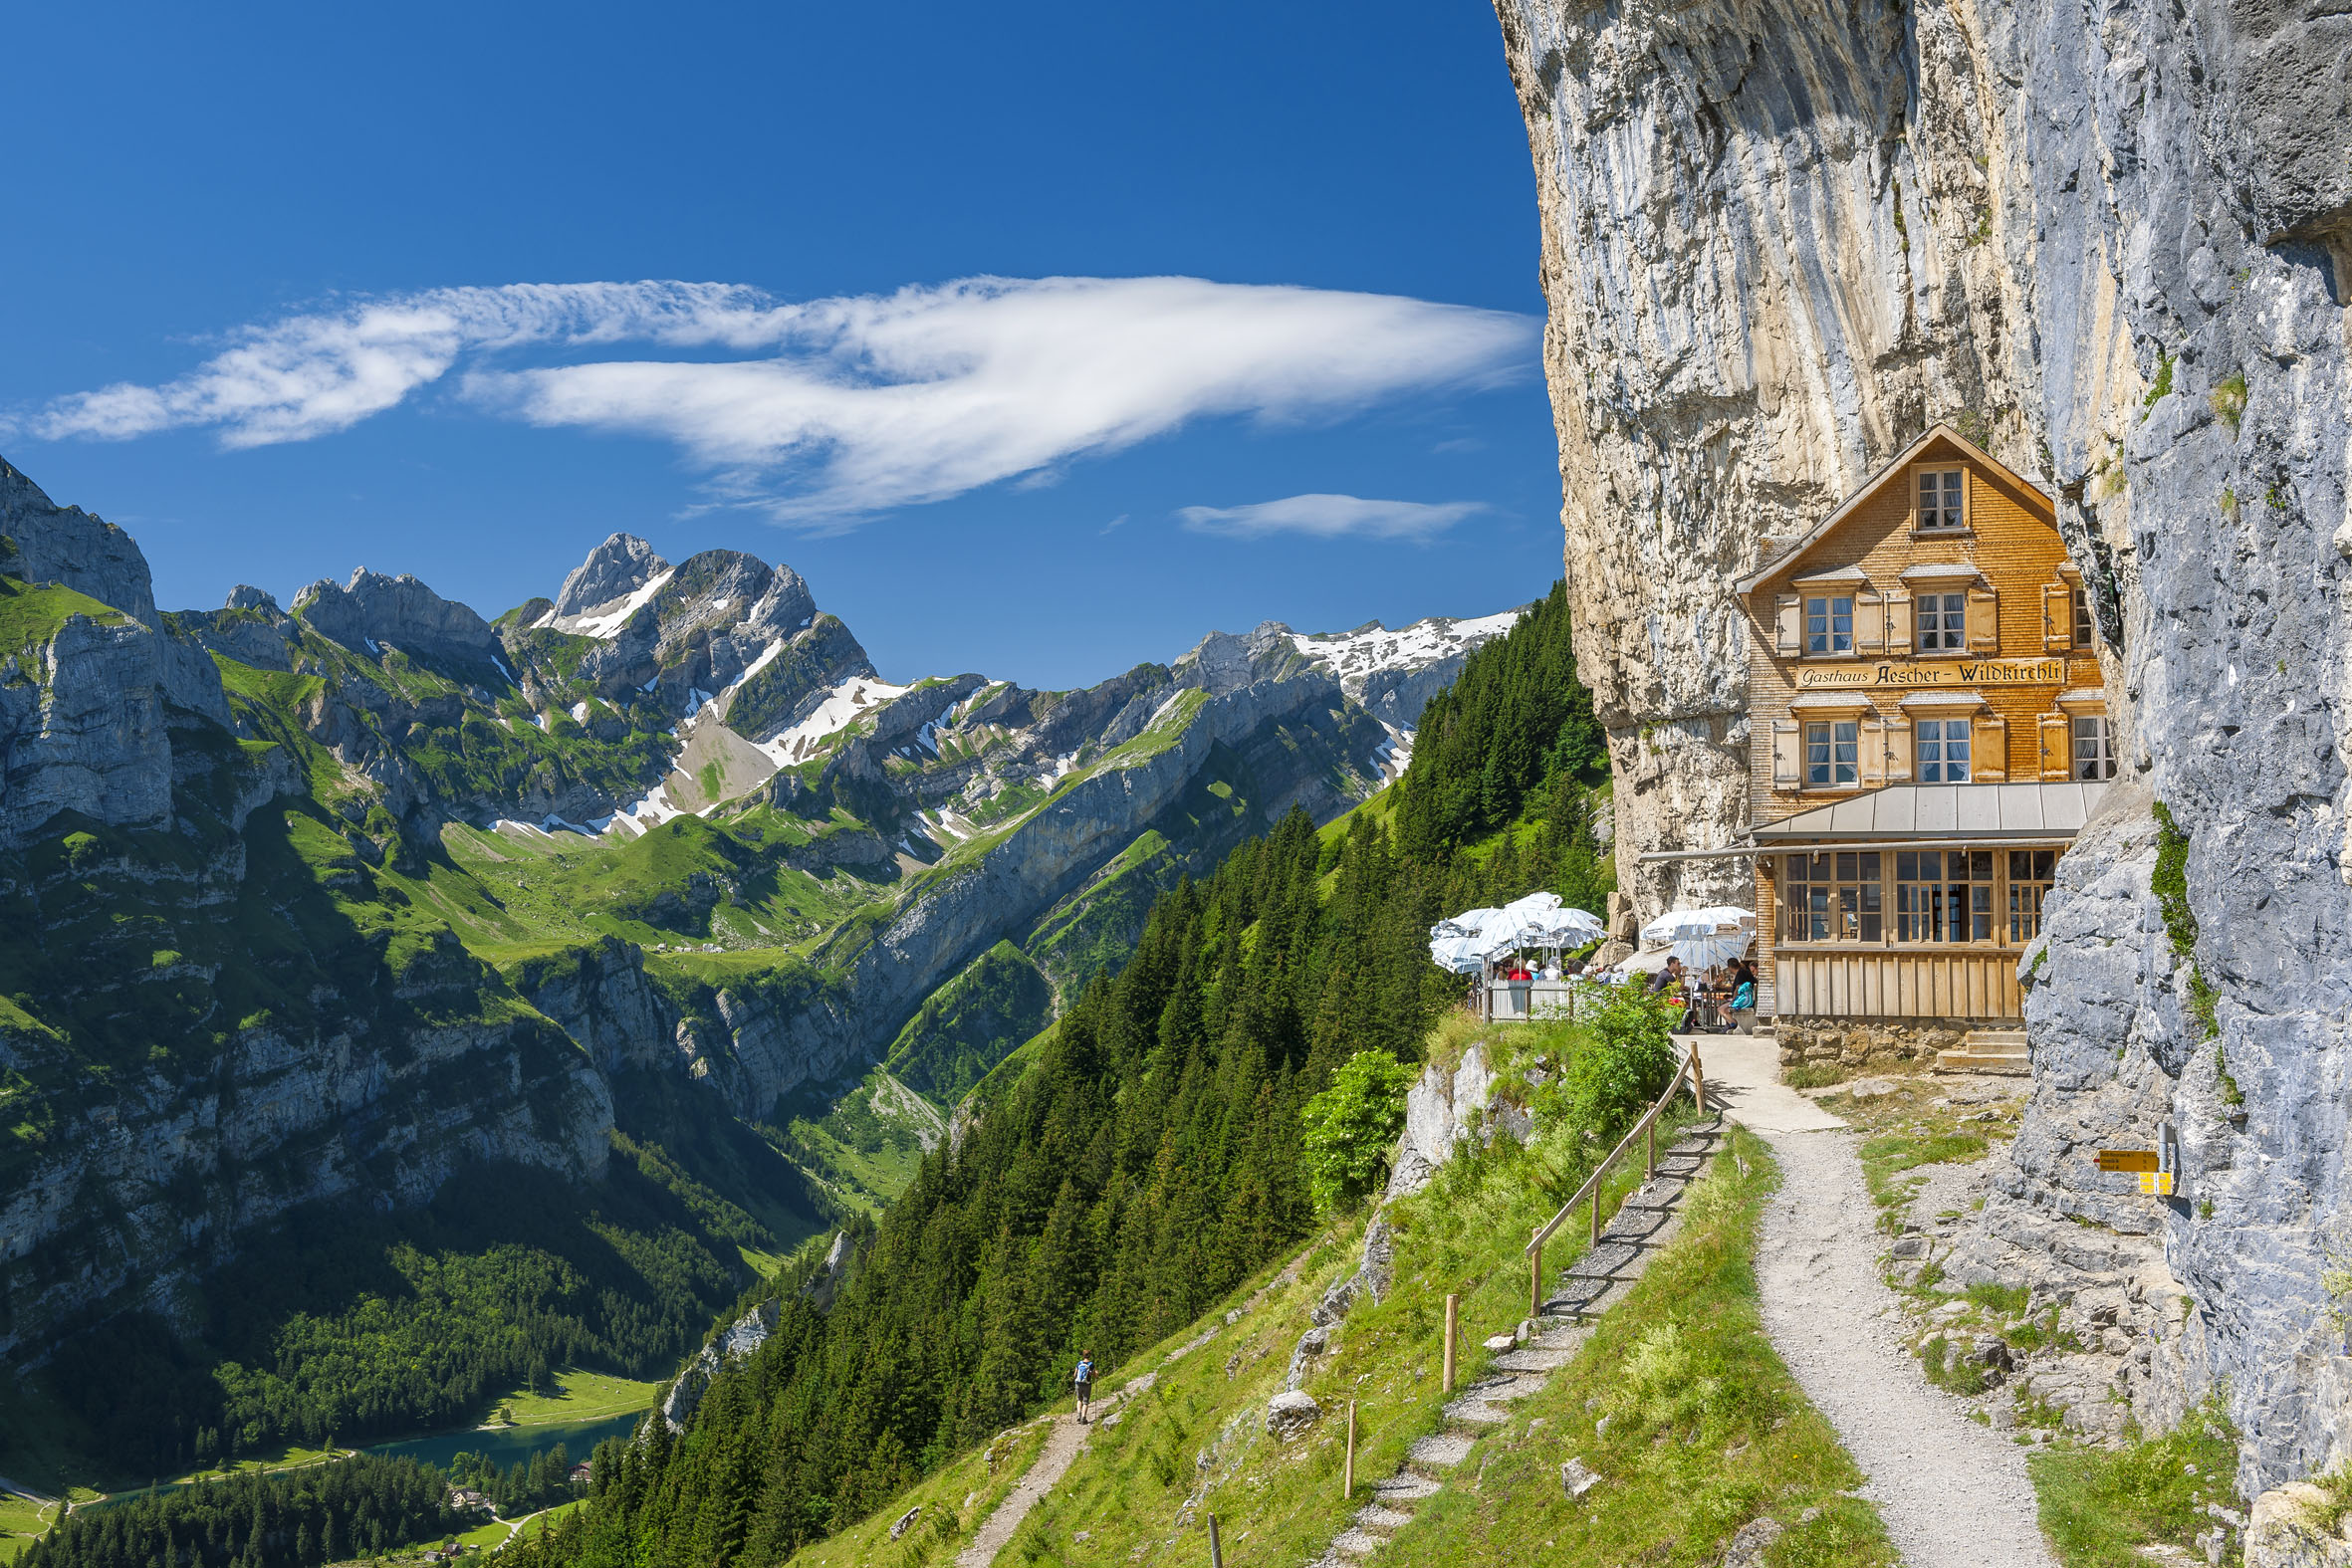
(1984, 814)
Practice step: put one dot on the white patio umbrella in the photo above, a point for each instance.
(1456, 955)
(1690, 925)
(1541, 920)
(1709, 951)
(1470, 923)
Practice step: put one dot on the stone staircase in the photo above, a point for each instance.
(1987, 1051)
(1540, 1347)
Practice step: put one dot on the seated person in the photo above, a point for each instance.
(1667, 979)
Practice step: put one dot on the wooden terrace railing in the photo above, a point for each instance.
(1691, 1069)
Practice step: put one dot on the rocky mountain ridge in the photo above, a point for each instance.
(2111, 244)
(330, 902)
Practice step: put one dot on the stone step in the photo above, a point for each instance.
(1404, 1487)
(1375, 1519)
(1605, 1261)
(1438, 1452)
(1354, 1544)
(1987, 1051)
(1532, 1359)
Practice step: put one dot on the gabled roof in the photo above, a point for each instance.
(1871, 486)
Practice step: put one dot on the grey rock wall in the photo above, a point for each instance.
(2111, 240)
(82, 729)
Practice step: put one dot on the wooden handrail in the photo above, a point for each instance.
(1690, 1067)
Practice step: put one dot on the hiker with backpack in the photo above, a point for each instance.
(1085, 1382)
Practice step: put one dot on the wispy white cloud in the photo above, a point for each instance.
(831, 409)
(1331, 517)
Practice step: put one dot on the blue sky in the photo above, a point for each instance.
(264, 307)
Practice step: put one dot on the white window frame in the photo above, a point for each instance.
(2080, 604)
(1824, 775)
(1829, 640)
(2102, 754)
(1940, 621)
(1932, 741)
(1943, 515)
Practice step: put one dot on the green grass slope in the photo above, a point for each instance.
(1705, 1429)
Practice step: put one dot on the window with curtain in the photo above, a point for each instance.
(1829, 624)
(1940, 498)
(1942, 621)
(1943, 750)
(1834, 753)
(2094, 747)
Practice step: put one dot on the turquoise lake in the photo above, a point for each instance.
(512, 1446)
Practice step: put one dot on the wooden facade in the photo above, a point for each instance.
(1930, 632)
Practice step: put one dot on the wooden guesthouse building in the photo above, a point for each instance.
(1929, 731)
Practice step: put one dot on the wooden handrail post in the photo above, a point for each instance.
(1348, 1486)
(1216, 1547)
(1536, 1280)
(1698, 1080)
(1596, 1214)
(1652, 1172)
(1453, 1320)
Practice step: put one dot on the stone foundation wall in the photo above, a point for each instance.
(1859, 1043)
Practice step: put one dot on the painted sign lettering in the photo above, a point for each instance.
(1905, 674)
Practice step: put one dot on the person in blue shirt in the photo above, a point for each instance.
(1085, 1384)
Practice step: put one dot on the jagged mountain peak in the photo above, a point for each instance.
(401, 610)
(612, 571)
(245, 596)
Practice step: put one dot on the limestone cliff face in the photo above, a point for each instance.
(2112, 241)
(1758, 219)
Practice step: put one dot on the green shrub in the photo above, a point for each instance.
(2170, 883)
(1625, 1062)
(2229, 399)
(1350, 1127)
(2011, 1299)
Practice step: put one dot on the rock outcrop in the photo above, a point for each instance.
(373, 611)
(2111, 243)
(1442, 1111)
(745, 1335)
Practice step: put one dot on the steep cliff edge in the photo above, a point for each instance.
(2111, 242)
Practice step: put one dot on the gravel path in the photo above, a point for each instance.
(1952, 1492)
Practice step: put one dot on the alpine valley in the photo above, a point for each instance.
(397, 1005)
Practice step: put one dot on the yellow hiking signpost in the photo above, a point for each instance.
(2157, 1168)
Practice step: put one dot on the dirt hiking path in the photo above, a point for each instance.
(1053, 1463)
(1954, 1494)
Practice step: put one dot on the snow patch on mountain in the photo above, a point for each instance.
(836, 713)
(604, 622)
(1356, 655)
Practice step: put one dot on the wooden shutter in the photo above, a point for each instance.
(1788, 754)
(1898, 747)
(1788, 626)
(2056, 748)
(1898, 610)
(1870, 622)
(1989, 748)
(1873, 749)
(2057, 617)
(1984, 621)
